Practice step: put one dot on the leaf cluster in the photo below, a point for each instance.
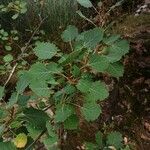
(113, 140)
(16, 7)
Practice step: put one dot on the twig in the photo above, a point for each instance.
(75, 104)
(23, 49)
(12, 71)
(85, 18)
(48, 107)
(96, 10)
(71, 46)
(36, 140)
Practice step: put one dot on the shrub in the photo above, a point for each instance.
(60, 86)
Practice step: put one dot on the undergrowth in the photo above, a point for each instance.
(60, 87)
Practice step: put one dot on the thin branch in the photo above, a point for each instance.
(75, 104)
(71, 46)
(85, 18)
(12, 71)
(48, 107)
(40, 135)
(23, 49)
(96, 10)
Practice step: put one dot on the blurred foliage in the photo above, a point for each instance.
(57, 14)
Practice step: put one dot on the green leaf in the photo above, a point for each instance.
(33, 132)
(3, 113)
(23, 10)
(115, 69)
(63, 58)
(15, 16)
(4, 9)
(91, 37)
(45, 50)
(54, 68)
(51, 80)
(22, 83)
(117, 50)
(63, 112)
(13, 100)
(58, 95)
(97, 91)
(36, 118)
(16, 38)
(7, 146)
(71, 123)
(111, 39)
(8, 48)
(2, 129)
(70, 33)
(4, 38)
(91, 111)
(87, 76)
(75, 71)
(43, 74)
(72, 56)
(40, 88)
(69, 89)
(50, 143)
(1, 92)
(8, 58)
(126, 148)
(85, 3)
(115, 139)
(94, 90)
(5, 34)
(15, 124)
(98, 62)
(91, 146)
(99, 139)
(22, 100)
(50, 129)
(84, 85)
(39, 71)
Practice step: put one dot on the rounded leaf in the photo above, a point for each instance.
(91, 111)
(21, 140)
(85, 3)
(8, 58)
(69, 34)
(99, 63)
(45, 50)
